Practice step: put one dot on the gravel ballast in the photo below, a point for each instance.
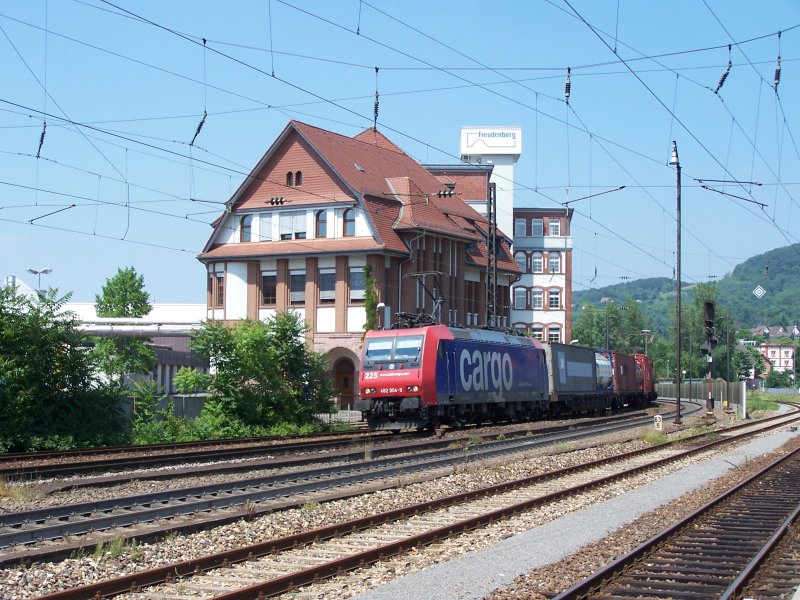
(478, 574)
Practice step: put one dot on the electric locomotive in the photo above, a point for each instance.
(423, 377)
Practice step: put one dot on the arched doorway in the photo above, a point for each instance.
(344, 375)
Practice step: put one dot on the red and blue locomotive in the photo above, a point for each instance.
(423, 377)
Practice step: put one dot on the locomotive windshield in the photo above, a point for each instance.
(405, 348)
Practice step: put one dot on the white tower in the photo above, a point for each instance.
(501, 147)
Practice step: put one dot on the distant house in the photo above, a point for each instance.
(778, 357)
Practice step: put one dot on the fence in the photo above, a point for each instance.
(697, 389)
(785, 391)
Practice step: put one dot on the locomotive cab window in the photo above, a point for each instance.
(400, 348)
(380, 349)
(408, 348)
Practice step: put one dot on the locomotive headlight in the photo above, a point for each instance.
(412, 388)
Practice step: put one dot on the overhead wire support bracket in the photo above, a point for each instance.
(616, 189)
(710, 189)
(51, 213)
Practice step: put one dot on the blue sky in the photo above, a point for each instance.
(117, 183)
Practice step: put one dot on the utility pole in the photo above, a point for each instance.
(677, 164)
(491, 260)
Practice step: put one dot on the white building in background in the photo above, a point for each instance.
(167, 326)
(541, 299)
(501, 148)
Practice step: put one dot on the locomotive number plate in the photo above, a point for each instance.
(391, 390)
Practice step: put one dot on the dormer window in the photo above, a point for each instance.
(290, 179)
(349, 223)
(298, 178)
(246, 228)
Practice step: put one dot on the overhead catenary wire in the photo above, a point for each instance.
(551, 199)
(687, 129)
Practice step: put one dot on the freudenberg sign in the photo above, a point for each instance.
(491, 140)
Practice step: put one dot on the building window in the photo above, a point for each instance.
(265, 227)
(293, 225)
(246, 228)
(297, 287)
(537, 299)
(327, 286)
(349, 222)
(537, 227)
(269, 288)
(537, 331)
(298, 178)
(519, 227)
(554, 262)
(290, 179)
(554, 298)
(321, 223)
(520, 294)
(554, 227)
(216, 290)
(357, 288)
(521, 262)
(554, 334)
(537, 262)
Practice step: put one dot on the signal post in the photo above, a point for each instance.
(706, 348)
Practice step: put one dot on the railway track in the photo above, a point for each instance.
(713, 552)
(283, 565)
(23, 467)
(132, 462)
(225, 462)
(27, 527)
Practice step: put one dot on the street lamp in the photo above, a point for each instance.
(39, 274)
(673, 161)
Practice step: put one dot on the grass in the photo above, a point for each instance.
(654, 438)
(759, 402)
(115, 547)
(561, 447)
(17, 493)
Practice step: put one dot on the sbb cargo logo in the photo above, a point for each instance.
(485, 371)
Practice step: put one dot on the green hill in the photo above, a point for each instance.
(777, 271)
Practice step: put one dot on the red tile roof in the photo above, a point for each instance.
(397, 193)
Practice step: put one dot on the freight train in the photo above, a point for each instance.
(428, 376)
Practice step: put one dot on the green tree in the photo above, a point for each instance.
(777, 379)
(263, 372)
(123, 296)
(49, 394)
(370, 299)
(625, 324)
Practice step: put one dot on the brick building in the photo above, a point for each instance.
(318, 207)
